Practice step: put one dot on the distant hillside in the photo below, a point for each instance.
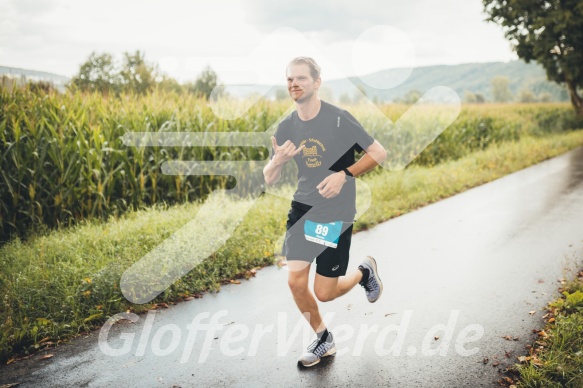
(472, 77)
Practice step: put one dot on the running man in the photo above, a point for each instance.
(322, 139)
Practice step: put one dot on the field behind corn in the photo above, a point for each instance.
(81, 207)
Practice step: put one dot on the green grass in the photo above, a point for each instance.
(60, 283)
(395, 193)
(556, 358)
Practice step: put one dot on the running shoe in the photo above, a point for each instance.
(317, 350)
(373, 287)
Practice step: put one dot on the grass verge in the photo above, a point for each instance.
(57, 285)
(556, 358)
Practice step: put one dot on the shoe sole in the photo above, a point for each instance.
(373, 264)
(330, 352)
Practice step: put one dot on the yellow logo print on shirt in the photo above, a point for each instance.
(313, 153)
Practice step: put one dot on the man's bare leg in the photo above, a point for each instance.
(298, 278)
(328, 289)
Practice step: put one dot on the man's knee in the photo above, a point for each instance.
(297, 284)
(324, 295)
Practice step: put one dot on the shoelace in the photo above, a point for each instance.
(371, 284)
(317, 347)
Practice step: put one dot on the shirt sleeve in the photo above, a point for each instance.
(281, 136)
(353, 134)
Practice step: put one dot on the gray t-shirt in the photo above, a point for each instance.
(331, 140)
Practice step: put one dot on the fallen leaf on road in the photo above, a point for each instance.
(9, 385)
(189, 298)
(523, 358)
(543, 334)
(235, 282)
(532, 312)
(436, 337)
(485, 360)
(510, 338)
(46, 356)
(495, 364)
(10, 361)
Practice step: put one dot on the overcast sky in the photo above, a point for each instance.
(249, 41)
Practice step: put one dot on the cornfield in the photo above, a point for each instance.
(63, 158)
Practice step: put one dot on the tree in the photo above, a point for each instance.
(136, 75)
(545, 97)
(205, 83)
(410, 98)
(97, 74)
(500, 90)
(469, 97)
(100, 73)
(549, 32)
(527, 96)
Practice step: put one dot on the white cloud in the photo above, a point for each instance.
(58, 35)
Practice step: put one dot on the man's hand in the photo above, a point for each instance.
(281, 155)
(331, 185)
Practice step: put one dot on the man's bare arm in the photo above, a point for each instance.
(281, 155)
(332, 184)
(375, 155)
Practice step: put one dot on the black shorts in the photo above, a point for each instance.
(330, 262)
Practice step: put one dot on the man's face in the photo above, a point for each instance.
(300, 84)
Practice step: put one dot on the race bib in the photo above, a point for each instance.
(323, 233)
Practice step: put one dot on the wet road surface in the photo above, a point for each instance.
(458, 276)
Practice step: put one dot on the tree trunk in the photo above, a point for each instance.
(575, 98)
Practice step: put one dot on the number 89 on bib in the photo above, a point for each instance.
(326, 234)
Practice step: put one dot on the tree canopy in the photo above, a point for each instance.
(500, 90)
(133, 74)
(549, 32)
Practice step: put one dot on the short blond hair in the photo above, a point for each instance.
(314, 67)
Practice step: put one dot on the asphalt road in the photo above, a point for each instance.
(458, 275)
